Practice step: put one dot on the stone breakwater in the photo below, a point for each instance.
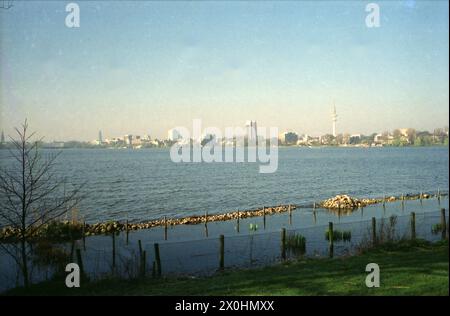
(63, 229)
(102, 228)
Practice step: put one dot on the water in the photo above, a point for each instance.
(146, 184)
(189, 252)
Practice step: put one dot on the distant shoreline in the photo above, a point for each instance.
(279, 146)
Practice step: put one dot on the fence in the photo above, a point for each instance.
(128, 257)
(206, 256)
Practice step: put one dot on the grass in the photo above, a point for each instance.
(406, 268)
(338, 235)
(296, 244)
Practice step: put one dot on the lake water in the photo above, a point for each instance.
(146, 184)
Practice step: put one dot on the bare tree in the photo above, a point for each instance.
(31, 195)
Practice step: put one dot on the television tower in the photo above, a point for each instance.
(334, 119)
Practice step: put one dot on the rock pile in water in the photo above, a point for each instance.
(346, 202)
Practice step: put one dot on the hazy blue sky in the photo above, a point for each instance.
(145, 67)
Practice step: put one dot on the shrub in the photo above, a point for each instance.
(296, 244)
(338, 235)
(437, 228)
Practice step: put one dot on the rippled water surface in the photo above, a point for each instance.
(145, 184)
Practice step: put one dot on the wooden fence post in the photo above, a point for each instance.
(80, 261)
(84, 235)
(221, 252)
(206, 223)
(290, 214)
(126, 231)
(331, 239)
(413, 225)
(140, 248)
(143, 263)
(283, 243)
(264, 217)
(157, 259)
(165, 228)
(154, 269)
(113, 249)
(443, 224)
(72, 249)
(374, 231)
(237, 222)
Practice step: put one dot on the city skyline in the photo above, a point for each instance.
(251, 131)
(249, 127)
(282, 64)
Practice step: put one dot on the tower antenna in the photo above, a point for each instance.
(334, 118)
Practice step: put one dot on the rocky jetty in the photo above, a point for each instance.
(65, 229)
(115, 226)
(102, 228)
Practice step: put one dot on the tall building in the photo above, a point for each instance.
(100, 137)
(2, 138)
(128, 139)
(252, 131)
(334, 119)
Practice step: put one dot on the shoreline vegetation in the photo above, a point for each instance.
(412, 267)
(65, 230)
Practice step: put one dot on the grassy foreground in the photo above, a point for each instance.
(406, 268)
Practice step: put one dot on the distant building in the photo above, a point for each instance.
(174, 135)
(136, 141)
(354, 139)
(378, 138)
(100, 137)
(251, 131)
(128, 139)
(288, 138)
(53, 145)
(209, 139)
(404, 132)
(334, 119)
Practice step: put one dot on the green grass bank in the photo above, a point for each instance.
(406, 268)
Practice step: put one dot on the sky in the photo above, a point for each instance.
(143, 67)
